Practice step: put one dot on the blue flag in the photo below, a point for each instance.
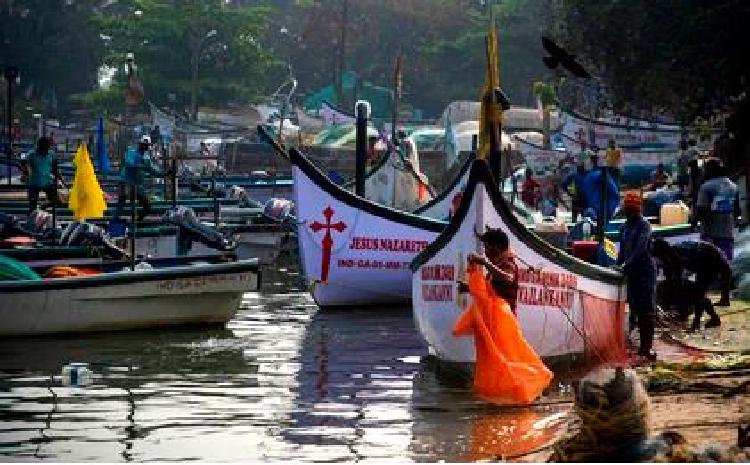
(102, 157)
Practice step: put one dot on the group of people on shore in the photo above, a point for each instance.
(690, 268)
(43, 174)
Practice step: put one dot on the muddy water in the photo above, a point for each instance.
(282, 382)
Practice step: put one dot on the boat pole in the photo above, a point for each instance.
(174, 176)
(133, 220)
(214, 199)
(602, 223)
(11, 74)
(362, 112)
(396, 99)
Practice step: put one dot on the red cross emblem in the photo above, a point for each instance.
(327, 240)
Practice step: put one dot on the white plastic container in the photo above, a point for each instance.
(674, 213)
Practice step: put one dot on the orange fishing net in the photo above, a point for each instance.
(604, 327)
(507, 371)
(68, 272)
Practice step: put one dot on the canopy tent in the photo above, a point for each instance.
(380, 98)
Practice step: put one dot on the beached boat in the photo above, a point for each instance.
(354, 251)
(190, 294)
(565, 306)
(630, 133)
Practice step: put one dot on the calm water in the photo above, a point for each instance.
(281, 382)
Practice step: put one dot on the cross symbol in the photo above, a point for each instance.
(327, 239)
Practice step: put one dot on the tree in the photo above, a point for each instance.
(682, 57)
(441, 41)
(204, 51)
(55, 46)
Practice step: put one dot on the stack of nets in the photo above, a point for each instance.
(611, 418)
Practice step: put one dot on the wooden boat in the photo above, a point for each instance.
(190, 294)
(631, 133)
(565, 306)
(353, 251)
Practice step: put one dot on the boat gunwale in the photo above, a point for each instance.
(480, 175)
(350, 199)
(440, 197)
(132, 277)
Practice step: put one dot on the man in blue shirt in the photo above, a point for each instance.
(41, 165)
(639, 268)
(573, 185)
(717, 207)
(135, 165)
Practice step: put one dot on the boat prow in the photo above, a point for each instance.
(565, 306)
(354, 251)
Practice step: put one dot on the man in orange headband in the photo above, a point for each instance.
(639, 268)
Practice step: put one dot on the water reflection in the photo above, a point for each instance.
(282, 382)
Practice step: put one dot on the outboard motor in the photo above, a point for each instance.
(279, 210)
(190, 228)
(90, 235)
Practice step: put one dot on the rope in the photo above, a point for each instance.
(603, 431)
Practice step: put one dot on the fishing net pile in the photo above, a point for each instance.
(611, 423)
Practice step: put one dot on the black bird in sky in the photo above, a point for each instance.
(558, 56)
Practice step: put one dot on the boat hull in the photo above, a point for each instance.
(354, 251)
(559, 296)
(206, 294)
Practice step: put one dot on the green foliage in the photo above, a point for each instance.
(684, 57)
(54, 45)
(441, 41)
(181, 46)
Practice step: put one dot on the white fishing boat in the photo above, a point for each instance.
(565, 306)
(191, 294)
(354, 251)
(396, 184)
(576, 127)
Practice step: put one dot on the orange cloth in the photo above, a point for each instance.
(507, 370)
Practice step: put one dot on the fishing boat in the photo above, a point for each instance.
(631, 133)
(194, 293)
(353, 251)
(565, 306)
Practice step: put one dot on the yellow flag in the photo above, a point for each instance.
(491, 81)
(86, 199)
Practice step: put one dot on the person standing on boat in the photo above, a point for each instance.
(707, 262)
(661, 178)
(613, 160)
(501, 267)
(530, 190)
(135, 165)
(716, 207)
(636, 262)
(372, 152)
(43, 173)
(683, 167)
(573, 185)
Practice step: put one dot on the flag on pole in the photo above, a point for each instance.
(491, 82)
(86, 199)
(102, 157)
